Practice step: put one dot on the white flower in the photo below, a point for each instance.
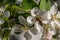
(6, 14)
(52, 12)
(35, 32)
(17, 33)
(39, 29)
(54, 9)
(53, 15)
(34, 13)
(30, 36)
(37, 15)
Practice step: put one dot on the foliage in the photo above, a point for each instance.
(18, 9)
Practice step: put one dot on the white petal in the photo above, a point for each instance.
(22, 20)
(36, 1)
(28, 24)
(53, 9)
(16, 28)
(58, 23)
(53, 32)
(38, 27)
(30, 19)
(20, 36)
(58, 14)
(55, 4)
(52, 23)
(27, 35)
(6, 14)
(43, 14)
(45, 21)
(49, 16)
(19, 1)
(34, 30)
(35, 37)
(2, 9)
(1, 21)
(34, 12)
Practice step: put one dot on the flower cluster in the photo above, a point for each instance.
(30, 22)
(35, 26)
(50, 19)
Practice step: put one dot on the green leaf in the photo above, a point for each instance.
(5, 35)
(28, 4)
(42, 4)
(11, 1)
(26, 15)
(7, 7)
(5, 18)
(48, 5)
(45, 4)
(14, 7)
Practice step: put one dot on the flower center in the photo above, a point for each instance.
(39, 20)
(53, 17)
(25, 28)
